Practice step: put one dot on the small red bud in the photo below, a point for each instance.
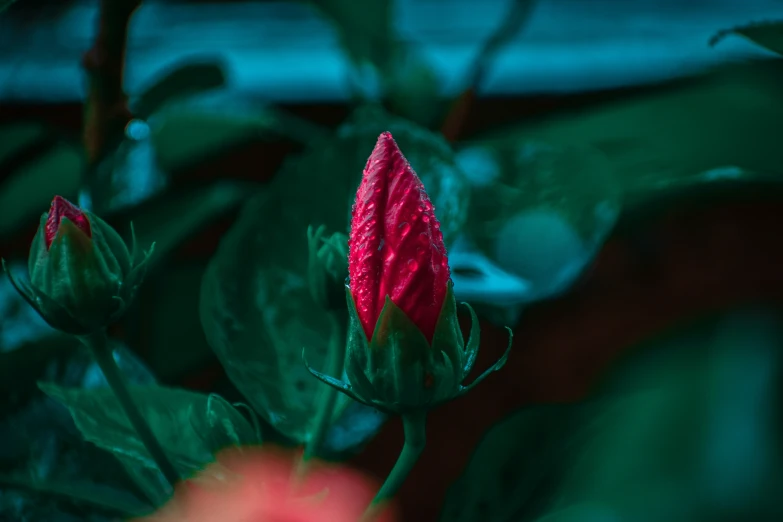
(62, 208)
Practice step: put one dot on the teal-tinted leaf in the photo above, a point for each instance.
(768, 35)
(169, 411)
(81, 494)
(663, 140)
(545, 213)
(150, 481)
(222, 425)
(256, 308)
(655, 443)
(40, 441)
(366, 34)
(183, 81)
(513, 474)
(413, 89)
(198, 128)
(169, 222)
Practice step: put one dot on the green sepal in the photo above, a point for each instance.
(340, 385)
(138, 268)
(50, 311)
(81, 283)
(327, 267)
(495, 367)
(447, 337)
(114, 254)
(399, 368)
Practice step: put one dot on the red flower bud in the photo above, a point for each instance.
(396, 247)
(62, 208)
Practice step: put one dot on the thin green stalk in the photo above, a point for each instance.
(414, 425)
(328, 396)
(98, 344)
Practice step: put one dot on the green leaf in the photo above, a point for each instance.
(557, 200)
(513, 474)
(768, 34)
(256, 308)
(654, 149)
(222, 424)
(102, 499)
(192, 130)
(168, 222)
(413, 88)
(654, 443)
(183, 81)
(366, 34)
(173, 415)
(29, 190)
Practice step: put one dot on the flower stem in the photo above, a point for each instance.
(328, 396)
(414, 425)
(98, 344)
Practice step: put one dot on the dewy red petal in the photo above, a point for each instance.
(396, 246)
(62, 208)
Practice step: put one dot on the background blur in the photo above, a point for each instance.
(690, 133)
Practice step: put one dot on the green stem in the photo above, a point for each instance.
(328, 396)
(414, 425)
(98, 344)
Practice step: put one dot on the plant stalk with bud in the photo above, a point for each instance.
(82, 278)
(405, 350)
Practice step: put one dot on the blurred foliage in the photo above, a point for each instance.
(686, 428)
(768, 35)
(556, 185)
(560, 201)
(48, 471)
(5, 4)
(183, 421)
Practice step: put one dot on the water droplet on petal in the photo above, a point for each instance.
(405, 228)
(425, 218)
(413, 265)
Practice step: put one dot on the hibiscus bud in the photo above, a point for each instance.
(82, 276)
(405, 348)
(327, 267)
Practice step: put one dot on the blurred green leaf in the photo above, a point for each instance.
(173, 415)
(559, 201)
(39, 439)
(686, 428)
(188, 131)
(183, 81)
(168, 222)
(768, 35)
(89, 494)
(29, 190)
(256, 308)
(222, 424)
(513, 474)
(692, 132)
(413, 89)
(366, 34)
